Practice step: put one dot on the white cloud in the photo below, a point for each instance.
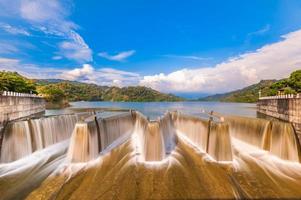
(14, 30)
(75, 51)
(76, 48)
(78, 73)
(186, 57)
(86, 73)
(40, 10)
(51, 19)
(6, 63)
(261, 31)
(7, 48)
(272, 61)
(103, 76)
(118, 57)
(28, 70)
(57, 57)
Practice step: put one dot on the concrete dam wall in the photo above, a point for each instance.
(283, 107)
(15, 105)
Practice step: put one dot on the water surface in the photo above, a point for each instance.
(155, 109)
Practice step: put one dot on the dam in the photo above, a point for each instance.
(283, 107)
(124, 155)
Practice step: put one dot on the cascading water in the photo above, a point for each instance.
(17, 142)
(277, 137)
(175, 157)
(114, 127)
(196, 129)
(209, 136)
(155, 138)
(21, 138)
(284, 142)
(95, 134)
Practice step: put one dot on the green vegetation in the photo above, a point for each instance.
(250, 94)
(59, 92)
(247, 95)
(75, 91)
(138, 93)
(12, 81)
(291, 85)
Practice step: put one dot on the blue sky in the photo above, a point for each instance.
(185, 47)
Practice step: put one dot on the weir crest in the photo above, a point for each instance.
(92, 149)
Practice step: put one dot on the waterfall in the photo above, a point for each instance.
(21, 138)
(127, 156)
(113, 127)
(155, 139)
(284, 142)
(219, 143)
(95, 134)
(17, 142)
(211, 137)
(279, 138)
(194, 128)
(53, 129)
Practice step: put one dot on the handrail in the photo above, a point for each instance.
(284, 96)
(18, 94)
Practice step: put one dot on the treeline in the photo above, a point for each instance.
(75, 91)
(291, 85)
(12, 81)
(62, 91)
(250, 94)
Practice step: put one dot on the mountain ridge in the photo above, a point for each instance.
(249, 94)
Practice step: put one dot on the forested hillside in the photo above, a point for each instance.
(250, 94)
(58, 91)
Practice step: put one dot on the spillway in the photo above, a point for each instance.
(21, 138)
(127, 156)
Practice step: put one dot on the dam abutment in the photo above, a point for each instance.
(284, 107)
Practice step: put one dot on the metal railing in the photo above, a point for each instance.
(284, 96)
(17, 94)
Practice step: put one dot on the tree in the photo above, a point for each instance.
(51, 93)
(12, 81)
(294, 81)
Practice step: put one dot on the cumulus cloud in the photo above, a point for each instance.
(86, 73)
(272, 61)
(78, 73)
(117, 57)
(103, 76)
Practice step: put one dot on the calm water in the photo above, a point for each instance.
(155, 109)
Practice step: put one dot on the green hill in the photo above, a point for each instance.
(248, 94)
(12, 81)
(57, 91)
(76, 91)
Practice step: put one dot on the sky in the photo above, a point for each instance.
(185, 47)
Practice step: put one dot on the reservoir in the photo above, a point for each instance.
(156, 109)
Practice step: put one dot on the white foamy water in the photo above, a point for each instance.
(174, 157)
